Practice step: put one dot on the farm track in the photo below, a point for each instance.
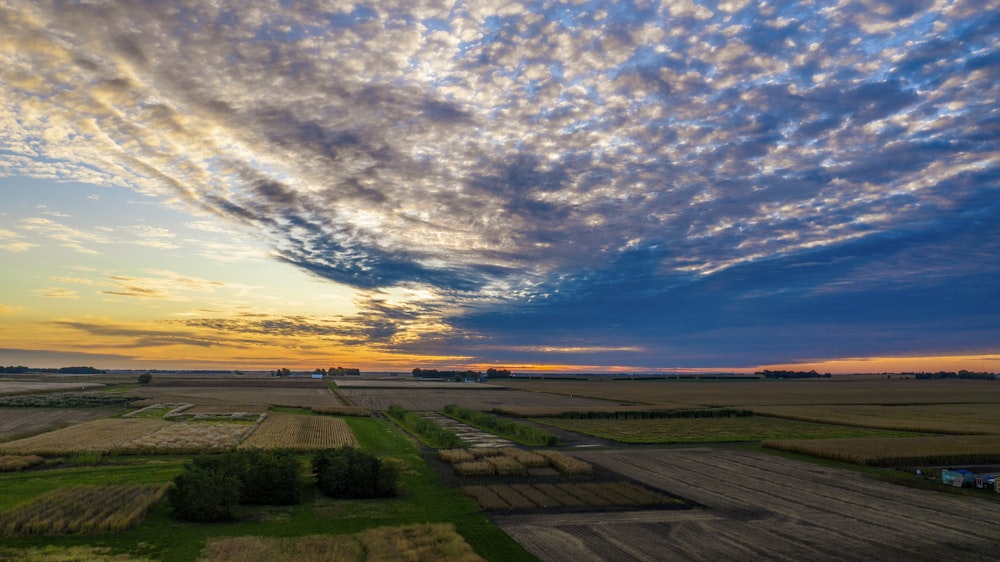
(763, 507)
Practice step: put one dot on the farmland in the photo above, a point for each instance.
(27, 421)
(753, 512)
(701, 430)
(82, 509)
(303, 433)
(416, 399)
(610, 501)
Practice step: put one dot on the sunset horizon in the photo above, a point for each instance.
(567, 187)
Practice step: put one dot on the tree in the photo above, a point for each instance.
(204, 494)
(348, 472)
(145, 378)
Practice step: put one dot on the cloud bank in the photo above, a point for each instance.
(654, 181)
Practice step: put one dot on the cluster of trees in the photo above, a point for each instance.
(792, 374)
(963, 374)
(213, 486)
(436, 374)
(60, 370)
(332, 371)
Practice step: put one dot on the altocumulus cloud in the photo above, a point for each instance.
(649, 163)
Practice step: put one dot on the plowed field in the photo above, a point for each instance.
(762, 507)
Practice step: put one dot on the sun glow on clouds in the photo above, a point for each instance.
(443, 162)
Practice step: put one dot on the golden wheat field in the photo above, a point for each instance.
(907, 451)
(98, 435)
(413, 543)
(15, 422)
(932, 418)
(299, 432)
(82, 509)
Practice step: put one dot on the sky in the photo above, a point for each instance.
(584, 186)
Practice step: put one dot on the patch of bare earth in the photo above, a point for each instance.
(762, 507)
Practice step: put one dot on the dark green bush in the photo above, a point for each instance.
(348, 472)
(204, 495)
(205, 491)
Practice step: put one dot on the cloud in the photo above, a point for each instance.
(56, 293)
(509, 157)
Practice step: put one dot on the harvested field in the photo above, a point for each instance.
(705, 430)
(471, 436)
(500, 497)
(747, 394)
(910, 451)
(931, 418)
(17, 422)
(227, 409)
(301, 433)
(762, 507)
(303, 397)
(99, 435)
(436, 399)
(25, 387)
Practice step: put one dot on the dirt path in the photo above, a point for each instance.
(759, 506)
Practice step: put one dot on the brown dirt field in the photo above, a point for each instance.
(25, 387)
(419, 400)
(239, 395)
(763, 507)
(21, 422)
(773, 392)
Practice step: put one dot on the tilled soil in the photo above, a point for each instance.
(763, 507)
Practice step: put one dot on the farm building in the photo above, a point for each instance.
(987, 480)
(957, 477)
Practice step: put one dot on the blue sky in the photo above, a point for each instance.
(575, 185)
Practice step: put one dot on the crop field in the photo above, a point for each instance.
(704, 430)
(418, 400)
(762, 507)
(302, 433)
(931, 418)
(28, 421)
(137, 435)
(510, 461)
(301, 397)
(416, 543)
(98, 435)
(24, 387)
(500, 497)
(747, 394)
(912, 451)
(81, 509)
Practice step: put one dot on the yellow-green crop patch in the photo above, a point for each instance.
(81, 509)
(708, 430)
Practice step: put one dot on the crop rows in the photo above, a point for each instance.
(696, 430)
(495, 497)
(931, 418)
(192, 437)
(509, 461)
(82, 509)
(98, 435)
(430, 432)
(428, 541)
(524, 434)
(911, 451)
(290, 431)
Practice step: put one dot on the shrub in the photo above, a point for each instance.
(348, 472)
(145, 378)
(204, 495)
(211, 486)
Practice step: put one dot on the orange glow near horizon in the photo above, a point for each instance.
(974, 363)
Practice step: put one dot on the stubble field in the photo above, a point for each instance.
(761, 507)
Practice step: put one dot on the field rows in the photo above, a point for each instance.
(763, 507)
(81, 509)
(909, 451)
(290, 431)
(699, 430)
(494, 497)
(932, 418)
(25, 421)
(426, 400)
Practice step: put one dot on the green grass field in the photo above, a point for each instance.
(424, 499)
